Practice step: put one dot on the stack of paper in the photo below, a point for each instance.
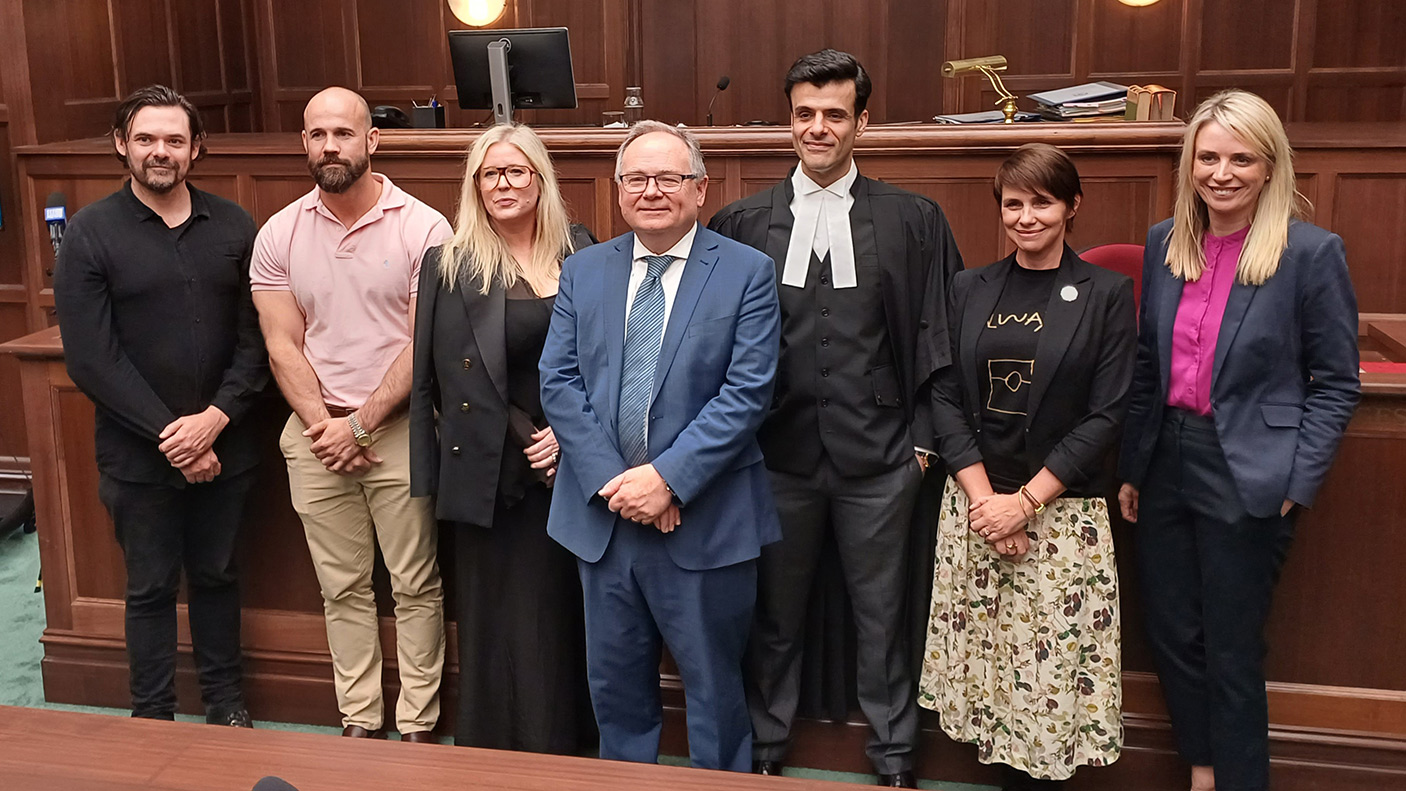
(983, 117)
(1081, 101)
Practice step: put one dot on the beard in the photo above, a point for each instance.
(159, 182)
(336, 175)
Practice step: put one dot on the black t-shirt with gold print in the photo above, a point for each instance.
(1006, 353)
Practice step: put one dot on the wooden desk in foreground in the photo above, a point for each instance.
(64, 751)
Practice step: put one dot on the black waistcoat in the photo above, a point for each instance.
(837, 390)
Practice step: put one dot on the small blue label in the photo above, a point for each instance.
(55, 214)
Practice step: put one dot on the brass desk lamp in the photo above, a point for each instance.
(988, 65)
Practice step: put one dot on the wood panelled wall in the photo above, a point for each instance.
(396, 51)
(250, 65)
(13, 297)
(64, 66)
(1314, 60)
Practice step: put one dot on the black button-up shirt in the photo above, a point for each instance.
(158, 322)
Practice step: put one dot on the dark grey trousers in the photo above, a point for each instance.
(872, 522)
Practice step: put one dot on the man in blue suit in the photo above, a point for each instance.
(656, 374)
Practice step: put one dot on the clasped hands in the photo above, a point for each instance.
(641, 495)
(334, 444)
(187, 443)
(1000, 519)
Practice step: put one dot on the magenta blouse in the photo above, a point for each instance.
(1198, 323)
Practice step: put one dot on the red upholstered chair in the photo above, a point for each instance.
(1123, 258)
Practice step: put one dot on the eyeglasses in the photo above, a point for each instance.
(517, 176)
(635, 183)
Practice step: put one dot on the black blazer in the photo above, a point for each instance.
(459, 393)
(1083, 369)
(1285, 380)
(917, 258)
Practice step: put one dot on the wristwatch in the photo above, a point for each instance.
(363, 439)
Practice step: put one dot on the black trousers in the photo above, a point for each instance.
(872, 522)
(161, 530)
(1208, 571)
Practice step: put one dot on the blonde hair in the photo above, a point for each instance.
(1253, 122)
(476, 253)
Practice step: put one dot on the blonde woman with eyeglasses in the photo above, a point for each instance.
(480, 445)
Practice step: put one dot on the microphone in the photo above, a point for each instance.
(56, 215)
(723, 82)
(272, 783)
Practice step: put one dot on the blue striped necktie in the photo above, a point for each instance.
(643, 334)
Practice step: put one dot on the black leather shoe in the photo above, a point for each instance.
(419, 737)
(358, 732)
(772, 768)
(904, 779)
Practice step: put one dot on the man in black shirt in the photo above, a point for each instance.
(152, 291)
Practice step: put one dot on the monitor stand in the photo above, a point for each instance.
(498, 81)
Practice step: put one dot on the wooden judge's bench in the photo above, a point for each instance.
(1337, 635)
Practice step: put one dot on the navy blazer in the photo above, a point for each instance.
(1083, 367)
(712, 387)
(1285, 377)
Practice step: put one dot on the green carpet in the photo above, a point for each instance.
(22, 623)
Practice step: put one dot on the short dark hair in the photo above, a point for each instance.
(1040, 167)
(156, 96)
(827, 66)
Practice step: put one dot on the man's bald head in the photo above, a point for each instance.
(339, 102)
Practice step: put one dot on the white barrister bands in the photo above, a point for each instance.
(821, 225)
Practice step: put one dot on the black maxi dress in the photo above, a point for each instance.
(522, 655)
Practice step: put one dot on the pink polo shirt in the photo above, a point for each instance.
(1198, 321)
(354, 285)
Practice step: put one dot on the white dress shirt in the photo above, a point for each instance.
(669, 280)
(822, 226)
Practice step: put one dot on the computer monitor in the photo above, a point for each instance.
(532, 66)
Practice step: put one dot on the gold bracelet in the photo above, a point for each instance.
(1034, 503)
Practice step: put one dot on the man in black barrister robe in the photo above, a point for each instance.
(863, 270)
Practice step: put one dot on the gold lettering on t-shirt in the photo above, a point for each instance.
(998, 320)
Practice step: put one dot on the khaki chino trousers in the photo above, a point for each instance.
(345, 518)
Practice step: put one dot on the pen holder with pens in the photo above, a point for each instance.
(430, 116)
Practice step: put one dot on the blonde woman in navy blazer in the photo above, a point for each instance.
(1246, 379)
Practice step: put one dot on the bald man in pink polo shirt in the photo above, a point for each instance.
(334, 276)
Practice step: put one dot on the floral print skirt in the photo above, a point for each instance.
(1023, 658)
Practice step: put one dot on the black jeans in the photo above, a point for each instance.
(1208, 571)
(160, 529)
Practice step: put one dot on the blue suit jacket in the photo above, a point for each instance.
(1285, 379)
(712, 387)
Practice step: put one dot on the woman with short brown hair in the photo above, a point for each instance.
(1023, 649)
